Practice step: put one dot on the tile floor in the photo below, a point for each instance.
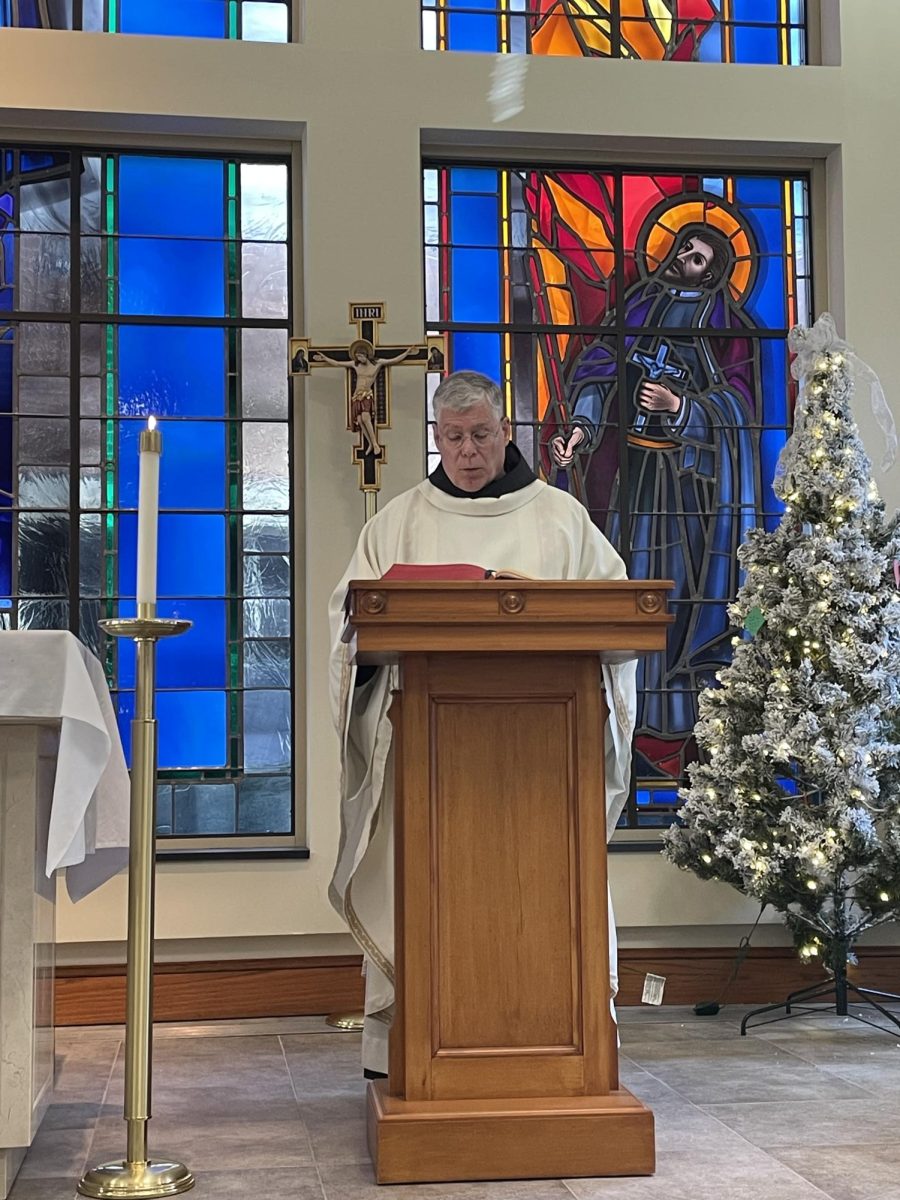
(803, 1110)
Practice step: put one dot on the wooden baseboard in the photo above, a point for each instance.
(290, 987)
(215, 991)
(768, 975)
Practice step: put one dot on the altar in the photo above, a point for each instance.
(64, 806)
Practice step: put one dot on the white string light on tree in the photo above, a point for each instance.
(796, 801)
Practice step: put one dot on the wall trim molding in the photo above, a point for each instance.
(287, 987)
(215, 990)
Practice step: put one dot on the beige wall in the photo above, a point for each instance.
(361, 100)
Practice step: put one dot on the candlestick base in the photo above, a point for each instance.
(136, 1179)
(144, 627)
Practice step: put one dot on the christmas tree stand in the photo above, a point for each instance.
(838, 991)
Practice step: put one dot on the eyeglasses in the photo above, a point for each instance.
(480, 437)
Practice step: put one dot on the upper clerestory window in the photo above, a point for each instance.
(772, 32)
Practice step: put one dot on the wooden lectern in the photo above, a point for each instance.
(503, 1060)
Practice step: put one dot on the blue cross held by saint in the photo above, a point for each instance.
(659, 366)
(655, 368)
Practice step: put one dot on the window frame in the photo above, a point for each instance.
(173, 847)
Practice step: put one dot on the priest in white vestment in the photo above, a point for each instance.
(482, 505)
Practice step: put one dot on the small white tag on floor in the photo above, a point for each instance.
(654, 986)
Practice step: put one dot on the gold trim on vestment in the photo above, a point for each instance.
(359, 932)
(649, 443)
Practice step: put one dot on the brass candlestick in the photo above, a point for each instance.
(137, 1175)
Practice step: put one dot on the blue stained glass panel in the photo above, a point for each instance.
(191, 728)
(196, 659)
(476, 352)
(756, 45)
(768, 226)
(37, 160)
(171, 197)
(758, 190)
(473, 179)
(171, 278)
(474, 220)
(25, 14)
(171, 371)
(767, 303)
(758, 11)
(191, 554)
(475, 292)
(187, 18)
(711, 46)
(8, 251)
(774, 372)
(663, 796)
(194, 457)
(472, 31)
(6, 556)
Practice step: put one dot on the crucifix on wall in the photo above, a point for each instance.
(367, 366)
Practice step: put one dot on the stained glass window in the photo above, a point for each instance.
(636, 323)
(248, 20)
(722, 31)
(178, 305)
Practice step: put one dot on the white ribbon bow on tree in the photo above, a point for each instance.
(809, 344)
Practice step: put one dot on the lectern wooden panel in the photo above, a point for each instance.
(503, 1056)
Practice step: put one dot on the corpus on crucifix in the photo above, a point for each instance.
(364, 368)
(366, 365)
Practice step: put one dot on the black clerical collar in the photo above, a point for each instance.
(516, 475)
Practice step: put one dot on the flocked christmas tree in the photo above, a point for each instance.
(796, 799)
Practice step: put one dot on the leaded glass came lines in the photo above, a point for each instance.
(246, 20)
(723, 31)
(636, 323)
(179, 307)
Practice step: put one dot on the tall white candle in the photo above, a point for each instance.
(148, 513)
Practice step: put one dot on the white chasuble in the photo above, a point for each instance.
(538, 531)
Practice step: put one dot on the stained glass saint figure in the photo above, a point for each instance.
(690, 483)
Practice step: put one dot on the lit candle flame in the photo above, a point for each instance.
(151, 422)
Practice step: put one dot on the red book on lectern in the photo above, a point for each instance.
(446, 571)
(443, 571)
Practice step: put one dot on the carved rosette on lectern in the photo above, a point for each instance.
(503, 1060)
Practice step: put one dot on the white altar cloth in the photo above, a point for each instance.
(50, 676)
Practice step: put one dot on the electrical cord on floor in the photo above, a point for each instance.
(711, 1008)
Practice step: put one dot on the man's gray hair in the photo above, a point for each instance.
(464, 389)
